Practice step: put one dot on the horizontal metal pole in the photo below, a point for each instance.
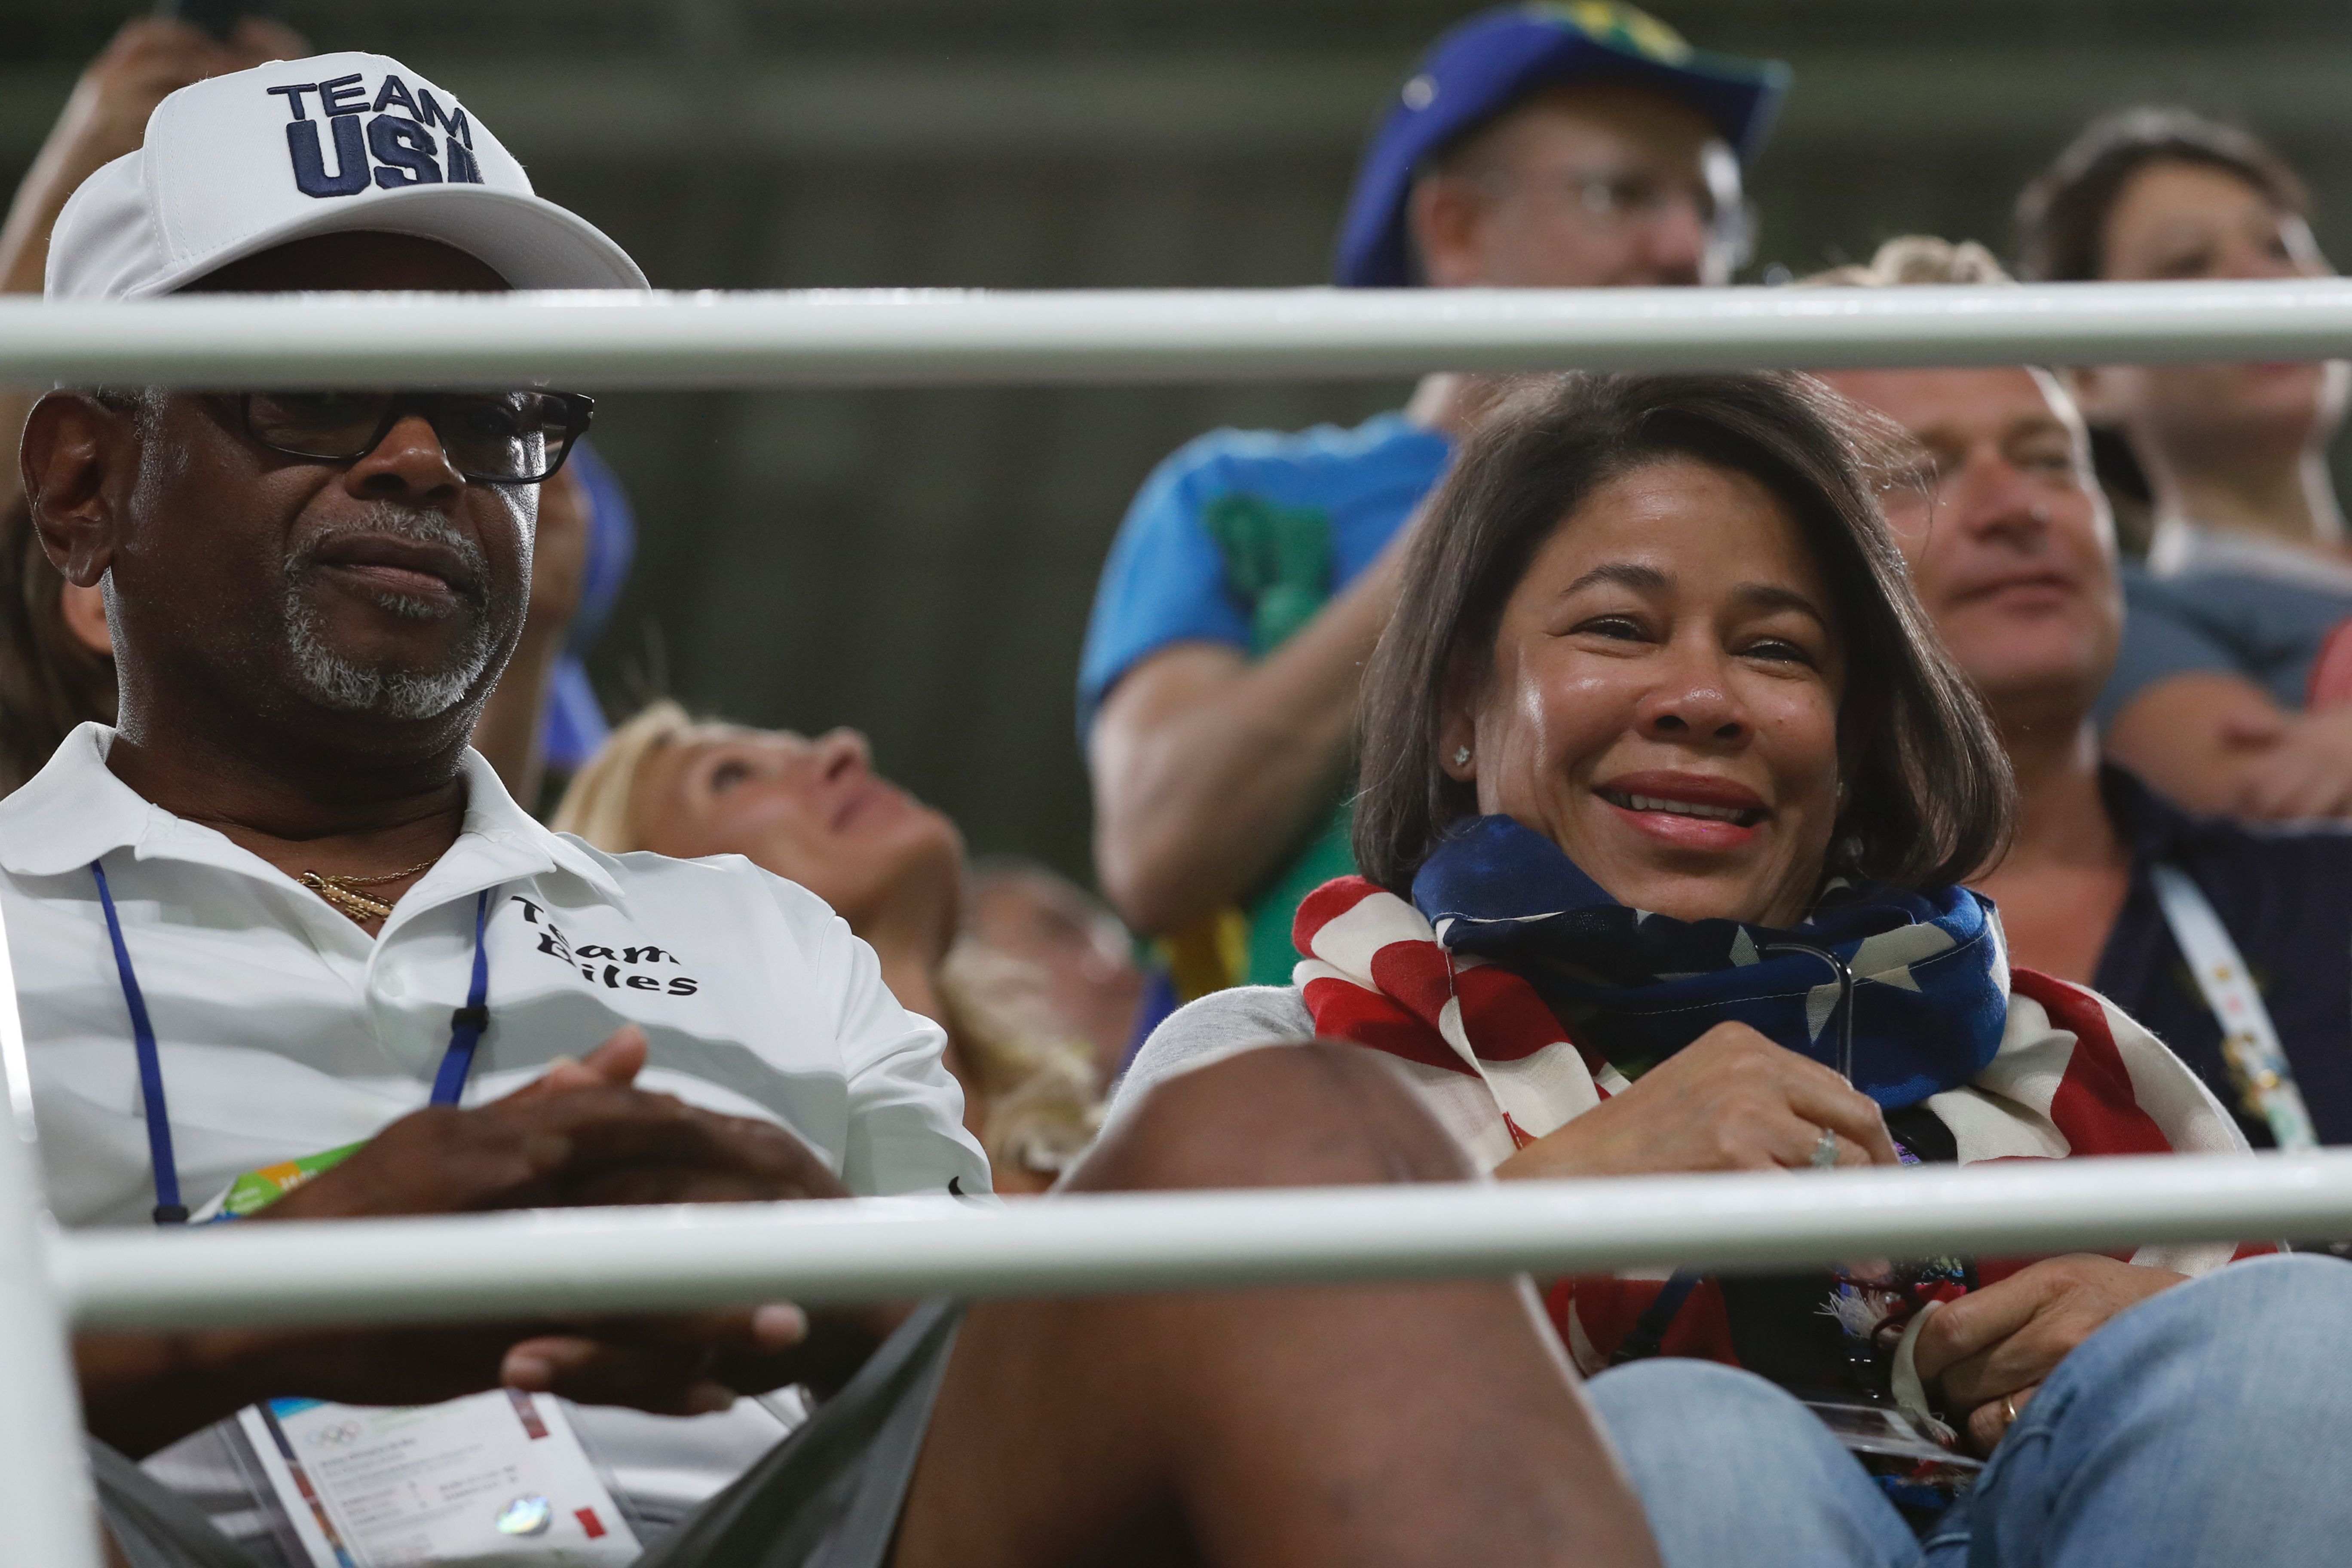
(890, 337)
(587, 1260)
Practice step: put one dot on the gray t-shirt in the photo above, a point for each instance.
(2213, 602)
(1215, 1027)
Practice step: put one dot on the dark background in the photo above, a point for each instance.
(919, 563)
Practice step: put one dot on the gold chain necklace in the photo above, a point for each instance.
(343, 892)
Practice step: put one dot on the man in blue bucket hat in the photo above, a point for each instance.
(1578, 145)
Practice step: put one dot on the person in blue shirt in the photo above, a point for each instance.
(2106, 882)
(1544, 146)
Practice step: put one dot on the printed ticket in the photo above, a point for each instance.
(491, 1479)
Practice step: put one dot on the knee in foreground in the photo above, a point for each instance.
(1683, 1405)
(2275, 1320)
(1306, 1114)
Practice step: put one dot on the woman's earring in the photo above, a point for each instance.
(1461, 755)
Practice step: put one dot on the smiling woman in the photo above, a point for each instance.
(1667, 786)
(1728, 525)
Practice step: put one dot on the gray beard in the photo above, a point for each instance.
(389, 691)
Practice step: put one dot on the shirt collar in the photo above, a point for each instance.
(2180, 548)
(505, 829)
(75, 811)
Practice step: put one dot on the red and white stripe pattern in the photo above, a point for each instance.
(2074, 1076)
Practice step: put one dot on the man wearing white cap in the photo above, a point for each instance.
(288, 949)
(233, 167)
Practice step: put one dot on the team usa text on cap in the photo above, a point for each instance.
(384, 138)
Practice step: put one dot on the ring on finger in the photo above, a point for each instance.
(1825, 1150)
(2009, 1409)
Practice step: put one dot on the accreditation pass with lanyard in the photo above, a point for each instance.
(493, 1477)
(2249, 1043)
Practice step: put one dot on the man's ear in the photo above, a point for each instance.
(1442, 215)
(77, 459)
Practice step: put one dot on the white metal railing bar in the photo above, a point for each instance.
(45, 1491)
(646, 1259)
(902, 337)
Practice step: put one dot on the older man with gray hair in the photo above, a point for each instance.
(2184, 921)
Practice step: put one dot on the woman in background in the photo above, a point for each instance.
(1028, 911)
(56, 662)
(2226, 694)
(815, 812)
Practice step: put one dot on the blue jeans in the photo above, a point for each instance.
(2210, 1425)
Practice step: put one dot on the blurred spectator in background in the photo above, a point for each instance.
(575, 725)
(57, 661)
(150, 57)
(1532, 146)
(816, 813)
(57, 664)
(1031, 913)
(2248, 577)
(2180, 920)
(544, 714)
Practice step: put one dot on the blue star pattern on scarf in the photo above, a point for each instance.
(1929, 999)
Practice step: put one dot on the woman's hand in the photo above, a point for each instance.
(2218, 743)
(1730, 1100)
(1994, 1347)
(2304, 769)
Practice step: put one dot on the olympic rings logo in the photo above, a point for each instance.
(342, 1434)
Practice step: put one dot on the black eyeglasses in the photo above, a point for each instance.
(491, 437)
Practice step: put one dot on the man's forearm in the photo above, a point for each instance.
(1207, 769)
(2175, 733)
(2217, 743)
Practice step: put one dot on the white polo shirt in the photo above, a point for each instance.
(284, 1029)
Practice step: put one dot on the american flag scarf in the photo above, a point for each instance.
(2014, 1064)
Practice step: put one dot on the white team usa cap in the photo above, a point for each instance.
(239, 164)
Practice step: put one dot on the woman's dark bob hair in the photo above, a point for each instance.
(1928, 796)
(2062, 216)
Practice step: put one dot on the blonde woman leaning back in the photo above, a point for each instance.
(814, 811)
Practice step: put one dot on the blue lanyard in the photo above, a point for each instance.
(465, 1027)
